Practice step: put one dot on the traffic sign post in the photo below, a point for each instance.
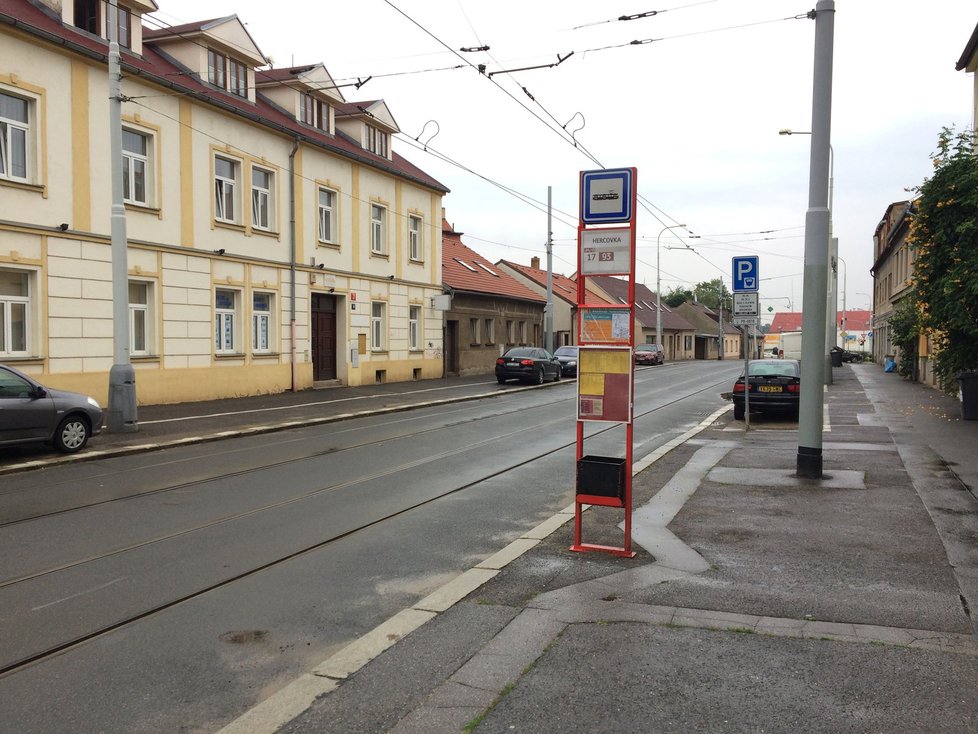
(745, 274)
(746, 310)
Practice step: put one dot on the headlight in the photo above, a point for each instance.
(572, 363)
(94, 403)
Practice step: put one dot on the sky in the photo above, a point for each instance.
(696, 108)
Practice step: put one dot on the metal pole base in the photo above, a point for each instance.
(809, 463)
(120, 416)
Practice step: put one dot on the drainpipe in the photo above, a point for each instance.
(292, 355)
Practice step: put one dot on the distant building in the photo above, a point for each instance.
(968, 62)
(711, 340)
(564, 296)
(892, 273)
(490, 310)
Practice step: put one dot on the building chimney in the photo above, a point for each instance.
(535, 263)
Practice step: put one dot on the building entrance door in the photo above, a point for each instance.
(323, 337)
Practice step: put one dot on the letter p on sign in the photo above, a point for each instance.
(745, 276)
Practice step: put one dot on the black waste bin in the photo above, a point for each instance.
(968, 391)
(836, 358)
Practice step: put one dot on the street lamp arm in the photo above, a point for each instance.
(658, 284)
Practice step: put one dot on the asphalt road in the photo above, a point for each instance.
(170, 591)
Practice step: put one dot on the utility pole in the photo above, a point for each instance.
(809, 459)
(120, 417)
(549, 322)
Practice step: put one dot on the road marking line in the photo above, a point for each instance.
(80, 593)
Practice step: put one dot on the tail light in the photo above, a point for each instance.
(738, 387)
(500, 361)
(794, 387)
(526, 362)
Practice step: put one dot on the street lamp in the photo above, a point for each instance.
(831, 301)
(658, 284)
(845, 271)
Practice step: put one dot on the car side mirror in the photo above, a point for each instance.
(39, 392)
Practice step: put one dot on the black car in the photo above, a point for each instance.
(529, 364)
(32, 413)
(846, 356)
(567, 356)
(648, 354)
(775, 387)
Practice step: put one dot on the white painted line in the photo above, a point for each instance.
(80, 593)
(455, 590)
(279, 709)
(507, 555)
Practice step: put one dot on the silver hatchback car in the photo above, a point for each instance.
(32, 413)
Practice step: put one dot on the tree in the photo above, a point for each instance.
(905, 333)
(677, 296)
(944, 236)
(711, 292)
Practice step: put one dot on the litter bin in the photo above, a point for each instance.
(602, 476)
(968, 392)
(836, 357)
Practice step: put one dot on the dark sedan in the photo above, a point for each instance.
(528, 364)
(32, 413)
(567, 356)
(774, 387)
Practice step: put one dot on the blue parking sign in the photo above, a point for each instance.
(745, 275)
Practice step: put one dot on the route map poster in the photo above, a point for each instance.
(606, 325)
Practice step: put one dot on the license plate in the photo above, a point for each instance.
(769, 388)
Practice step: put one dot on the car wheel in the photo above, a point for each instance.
(540, 376)
(501, 380)
(72, 434)
(738, 412)
(557, 376)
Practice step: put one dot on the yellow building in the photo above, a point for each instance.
(275, 240)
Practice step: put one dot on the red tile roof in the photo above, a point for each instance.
(563, 287)
(464, 269)
(645, 303)
(786, 321)
(857, 320)
(157, 67)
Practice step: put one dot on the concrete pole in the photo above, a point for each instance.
(809, 459)
(120, 416)
(549, 323)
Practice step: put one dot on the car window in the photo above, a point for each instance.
(566, 352)
(12, 386)
(520, 352)
(785, 368)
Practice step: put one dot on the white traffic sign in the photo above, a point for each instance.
(745, 321)
(606, 195)
(746, 304)
(606, 251)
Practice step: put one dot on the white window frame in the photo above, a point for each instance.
(262, 209)
(226, 190)
(237, 76)
(522, 332)
(131, 161)
(378, 320)
(475, 329)
(378, 141)
(13, 134)
(141, 312)
(262, 323)
(415, 237)
(226, 322)
(378, 229)
(414, 327)
(217, 68)
(326, 228)
(9, 304)
(490, 330)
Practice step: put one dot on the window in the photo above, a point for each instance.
(86, 15)
(225, 180)
(378, 230)
(14, 134)
(225, 321)
(261, 198)
(490, 331)
(124, 27)
(216, 69)
(377, 141)
(327, 216)
(139, 324)
(510, 336)
(314, 112)
(238, 78)
(377, 326)
(261, 322)
(522, 332)
(15, 306)
(135, 164)
(414, 238)
(414, 327)
(474, 330)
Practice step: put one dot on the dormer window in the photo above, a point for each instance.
(378, 141)
(88, 18)
(227, 73)
(314, 112)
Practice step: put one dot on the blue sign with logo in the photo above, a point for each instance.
(745, 275)
(606, 195)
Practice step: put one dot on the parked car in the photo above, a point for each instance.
(848, 356)
(774, 385)
(529, 364)
(32, 413)
(648, 354)
(567, 356)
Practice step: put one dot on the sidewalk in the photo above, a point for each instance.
(757, 601)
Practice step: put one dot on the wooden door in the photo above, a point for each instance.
(323, 337)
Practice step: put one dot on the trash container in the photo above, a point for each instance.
(968, 392)
(836, 358)
(602, 476)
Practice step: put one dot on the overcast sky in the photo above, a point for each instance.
(697, 111)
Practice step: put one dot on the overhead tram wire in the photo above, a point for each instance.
(646, 14)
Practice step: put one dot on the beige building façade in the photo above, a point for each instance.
(275, 239)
